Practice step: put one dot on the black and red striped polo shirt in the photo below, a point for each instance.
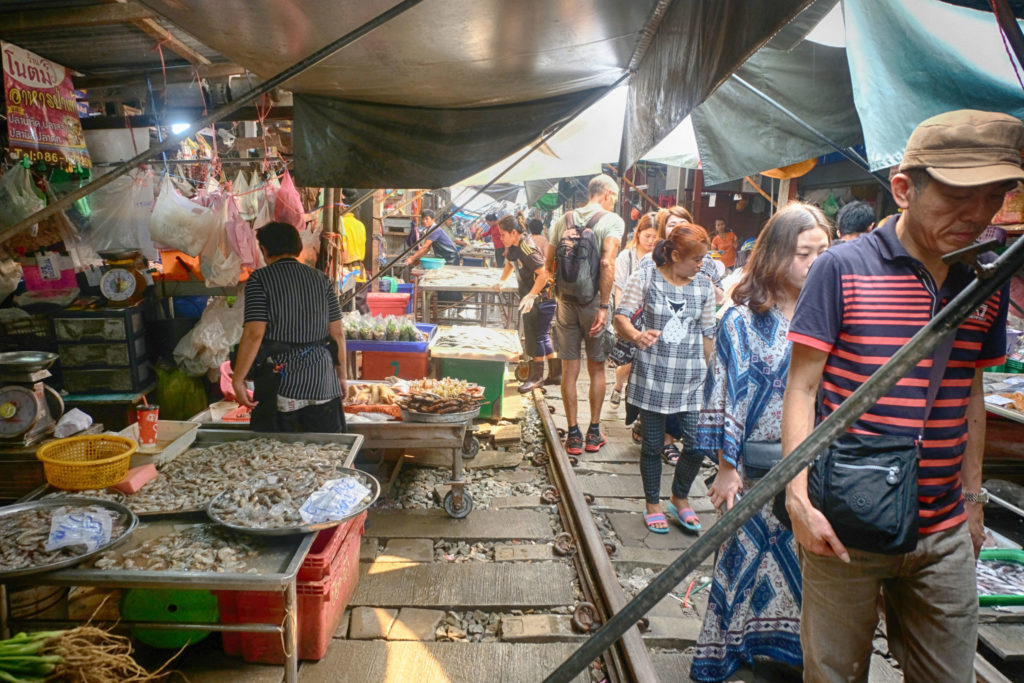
(865, 299)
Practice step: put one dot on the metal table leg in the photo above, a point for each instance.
(291, 644)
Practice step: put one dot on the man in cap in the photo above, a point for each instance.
(862, 301)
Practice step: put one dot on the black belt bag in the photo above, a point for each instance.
(866, 485)
(759, 457)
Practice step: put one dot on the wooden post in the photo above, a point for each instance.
(783, 193)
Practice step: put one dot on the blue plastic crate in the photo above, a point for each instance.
(393, 346)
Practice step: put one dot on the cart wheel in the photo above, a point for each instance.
(523, 371)
(460, 512)
(470, 446)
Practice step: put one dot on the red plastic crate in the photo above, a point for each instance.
(382, 304)
(317, 564)
(321, 605)
(384, 364)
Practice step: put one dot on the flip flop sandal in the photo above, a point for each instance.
(637, 436)
(686, 517)
(656, 517)
(670, 454)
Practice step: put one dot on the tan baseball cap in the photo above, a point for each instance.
(967, 147)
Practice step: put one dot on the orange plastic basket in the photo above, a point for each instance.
(86, 462)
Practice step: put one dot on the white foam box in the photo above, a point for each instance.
(173, 437)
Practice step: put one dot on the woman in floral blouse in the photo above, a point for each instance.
(754, 605)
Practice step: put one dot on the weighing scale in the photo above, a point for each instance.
(123, 282)
(29, 409)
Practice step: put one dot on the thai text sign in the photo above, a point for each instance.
(42, 115)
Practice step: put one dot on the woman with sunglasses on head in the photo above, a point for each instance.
(678, 321)
(639, 246)
(753, 609)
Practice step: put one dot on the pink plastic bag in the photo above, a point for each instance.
(288, 205)
(242, 238)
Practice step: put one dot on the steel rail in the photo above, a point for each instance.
(592, 547)
(876, 386)
(211, 118)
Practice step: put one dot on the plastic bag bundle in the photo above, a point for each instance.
(245, 199)
(18, 198)
(219, 263)
(206, 346)
(288, 204)
(120, 215)
(179, 223)
(242, 238)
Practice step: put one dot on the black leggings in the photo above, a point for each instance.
(653, 428)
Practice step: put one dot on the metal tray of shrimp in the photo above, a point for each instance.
(123, 517)
(227, 506)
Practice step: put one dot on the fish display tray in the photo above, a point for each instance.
(211, 437)
(365, 479)
(394, 346)
(126, 515)
(415, 416)
(1002, 555)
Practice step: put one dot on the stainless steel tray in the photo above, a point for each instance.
(127, 516)
(413, 416)
(211, 437)
(367, 480)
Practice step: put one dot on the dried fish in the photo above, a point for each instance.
(192, 479)
(23, 537)
(470, 279)
(996, 577)
(201, 548)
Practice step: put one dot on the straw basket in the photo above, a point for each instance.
(86, 462)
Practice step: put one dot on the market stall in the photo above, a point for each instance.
(479, 291)
(480, 355)
(260, 560)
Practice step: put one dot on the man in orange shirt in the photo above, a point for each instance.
(725, 242)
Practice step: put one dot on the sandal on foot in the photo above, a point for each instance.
(616, 398)
(686, 517)
(635, 433)
(654, 517)
(670, 454)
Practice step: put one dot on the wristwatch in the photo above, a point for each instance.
(979, 497)
(603, 307)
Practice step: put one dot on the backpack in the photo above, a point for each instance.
(578, 260)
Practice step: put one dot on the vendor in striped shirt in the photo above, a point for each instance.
(863, 300)
(292, 341)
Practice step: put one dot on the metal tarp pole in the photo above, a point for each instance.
(877, 386)
(448, 211)
(845, 151)
(214, 116)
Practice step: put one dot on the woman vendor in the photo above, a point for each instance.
(535, 302)
(292, 341)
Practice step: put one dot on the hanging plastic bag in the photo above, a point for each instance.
(219, 263)
(179, 223)
(206, 346)
(265, 212)
(18, 198)
(120, 215)
(240, 188)
(242, 238)
(830, 207)
(251, 200)
(288, 204)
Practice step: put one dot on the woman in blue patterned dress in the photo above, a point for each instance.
(678, 305)
(753, 609)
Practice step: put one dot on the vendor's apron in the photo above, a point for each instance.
(266, 379)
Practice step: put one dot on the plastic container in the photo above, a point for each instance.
(392, 346)
(384, 364)
(382, 304)
(326, 546)
(489, 374)
(1002, 555)
(431, 263)
(410, 289)
(321, 605)
(173, 437)
(86, 462)
(162, 605)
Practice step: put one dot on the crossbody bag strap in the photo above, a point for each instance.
(939, 362)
